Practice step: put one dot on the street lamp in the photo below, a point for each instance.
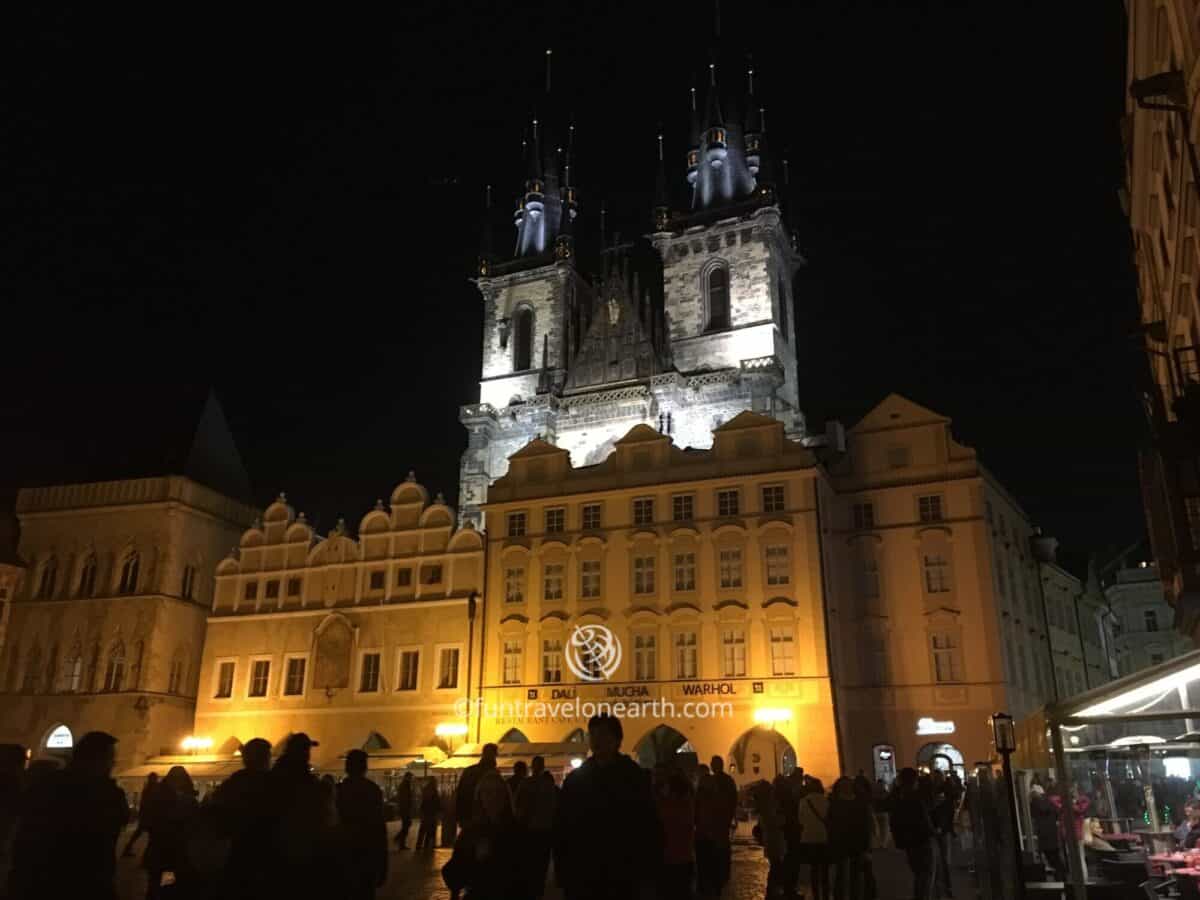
(1004, 736)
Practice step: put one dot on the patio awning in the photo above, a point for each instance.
(207, 769)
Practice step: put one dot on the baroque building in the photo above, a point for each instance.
(705, 333)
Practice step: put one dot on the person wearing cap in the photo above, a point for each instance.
(66, 845)
(363, 829)
(607, 839)
(242, 808)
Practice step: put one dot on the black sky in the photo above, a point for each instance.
(286, 205)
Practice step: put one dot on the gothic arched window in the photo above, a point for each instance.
(784, 324)
(114, 673)
(718, 298)
(48, 579)
(523, 340)
(129, 575)
(73, 672)
(87, 578)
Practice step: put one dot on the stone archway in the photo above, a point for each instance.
(661, 746)
(761, 754)
(942, 756)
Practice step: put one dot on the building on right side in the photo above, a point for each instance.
(1141, 617)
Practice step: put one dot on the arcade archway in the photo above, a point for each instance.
(942, 756)
(761, 754)
(58, 743)
(662, 746)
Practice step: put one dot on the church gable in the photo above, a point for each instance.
(896, 411)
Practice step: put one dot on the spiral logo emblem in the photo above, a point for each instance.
(593, 652)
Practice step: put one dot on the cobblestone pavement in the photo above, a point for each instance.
(418, 875)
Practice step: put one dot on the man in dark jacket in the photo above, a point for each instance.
(464, 795)
(364, 830)
(404, 809)
(534, 804)
(67, 842)
(242, 812)
(606, 837)
(912, 831)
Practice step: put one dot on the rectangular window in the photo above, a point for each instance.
(189, 582)
(514, 585)
(368, 674)
(516, 524)
(683, 507)
(403, 577)
(773, 499)
(730, 568)
(685, 571)
(251, 591)
(937, 574)
(783, 651)
(410, 661)
(556, 520)
(552, 588)
(728, 502)
(643, 511)
(293, 685)
(512, 661)
(645, 663)
(591, 516)
(643, 575)
(273, 589)
(947, 663)
(1151, 618)
(293, 587)
(552, 661)
(448, 668)
(685, 654)
(433, 574)
(225, 672)
(376, 580)
(864, 516)
(929, 507)
(260, 677)
(778, 566)
(733, 652)
(589, 579)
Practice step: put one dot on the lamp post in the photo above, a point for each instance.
(1005, 738)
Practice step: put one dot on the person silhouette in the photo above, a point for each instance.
(404, 808)
(242, 809)
(363, 830)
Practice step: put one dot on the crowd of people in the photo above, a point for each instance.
(612, 829)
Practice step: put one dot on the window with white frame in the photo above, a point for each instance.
(273, 589)
(293, 676)
(368, 673)
(929, 507)
(728, 502)
(260, 678)
(403, 577)
(947, 658)
(589, 579)
(683, 507)
(643, 511)
(552, 661)
(685, 654)
(685, 571)
(410, 665)
(448, 668)
(225, 673)
(729, 561)
(733, 652)
(512, 661)
(783, 650)
(773, 499)
(645, 662)
(778, 564)
(591, 516)
(516, 524)
(937, 573)
(375, 580)
(863, 516)
(250, 592)
(643, 575)
(556, 520)
(552, 581)
(514, 584)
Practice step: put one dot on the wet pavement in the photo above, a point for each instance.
(418, 875)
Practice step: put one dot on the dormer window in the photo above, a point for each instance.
(717, 285)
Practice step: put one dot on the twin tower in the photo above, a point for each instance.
(578, 360)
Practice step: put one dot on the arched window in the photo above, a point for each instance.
(49, 577)
(87, 578)
(73, 673)
(718, 298)
(784, 323)
(523, 340)
(175, 681)
(114, 672)
(129, 575)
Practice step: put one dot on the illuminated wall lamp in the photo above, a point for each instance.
(770, 716)
(450, 729)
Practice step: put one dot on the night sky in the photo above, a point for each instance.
(285, 205)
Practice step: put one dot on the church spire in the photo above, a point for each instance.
(662, 203)
(485, 239)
